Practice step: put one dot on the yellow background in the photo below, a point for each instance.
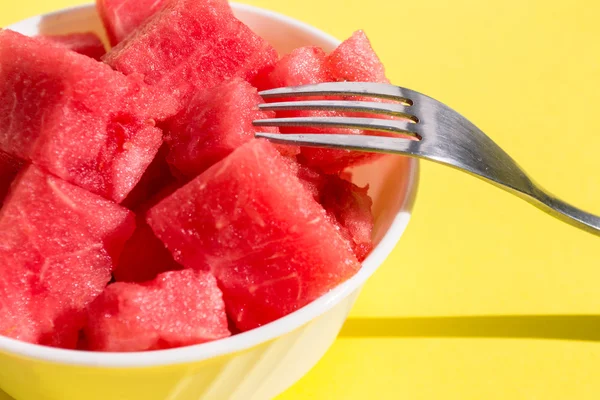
(528, 73)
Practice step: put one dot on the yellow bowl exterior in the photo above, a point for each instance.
(255, 374)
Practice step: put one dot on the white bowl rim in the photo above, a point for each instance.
(246, 340)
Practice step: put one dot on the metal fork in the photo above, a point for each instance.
(437, 132)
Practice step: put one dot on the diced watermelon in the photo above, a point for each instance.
(190, 46)
(156, 178)
(57, 246)
(75, 117)
(82, 342)
(303, 66)
(353, 60)
(9, 168)
(178, 308)
(16, 320)
(215, 123)
(88, 43)
(332, 160)
(251, 221)
(121, 17)
(144, 256)
(346, 175)
(348, 206)
(312, 179)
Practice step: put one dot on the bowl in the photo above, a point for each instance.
(254, 365)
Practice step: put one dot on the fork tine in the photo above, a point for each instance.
(364, 89)
(370, 124)
(393, 109)
(375, 144)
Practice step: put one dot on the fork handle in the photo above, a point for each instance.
(564, 211)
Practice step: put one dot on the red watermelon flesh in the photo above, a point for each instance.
(17, 321)
(144, 256)
(250, 220)
(303, 66)
(121, 17)
(176, 309)
(156, 178)
(82, 342)
(190, 46)
(353, 60)
(312, 179)
(215, 123)
(75, 117)
(9, 168)
(88, 43)
(57, 246)
(348, 206)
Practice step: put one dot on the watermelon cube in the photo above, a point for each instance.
(58, 247)
(176, 309)
(9, 168)
(144, 256)
(353, 60)
(88, 43)
(75, 117)
(303, 66)
(215, 123)
(312, 179)
(250, 221)
(121, 17)
(190, 46)
(348, 207)
(156, 178)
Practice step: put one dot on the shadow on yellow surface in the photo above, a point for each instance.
(558, 327)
